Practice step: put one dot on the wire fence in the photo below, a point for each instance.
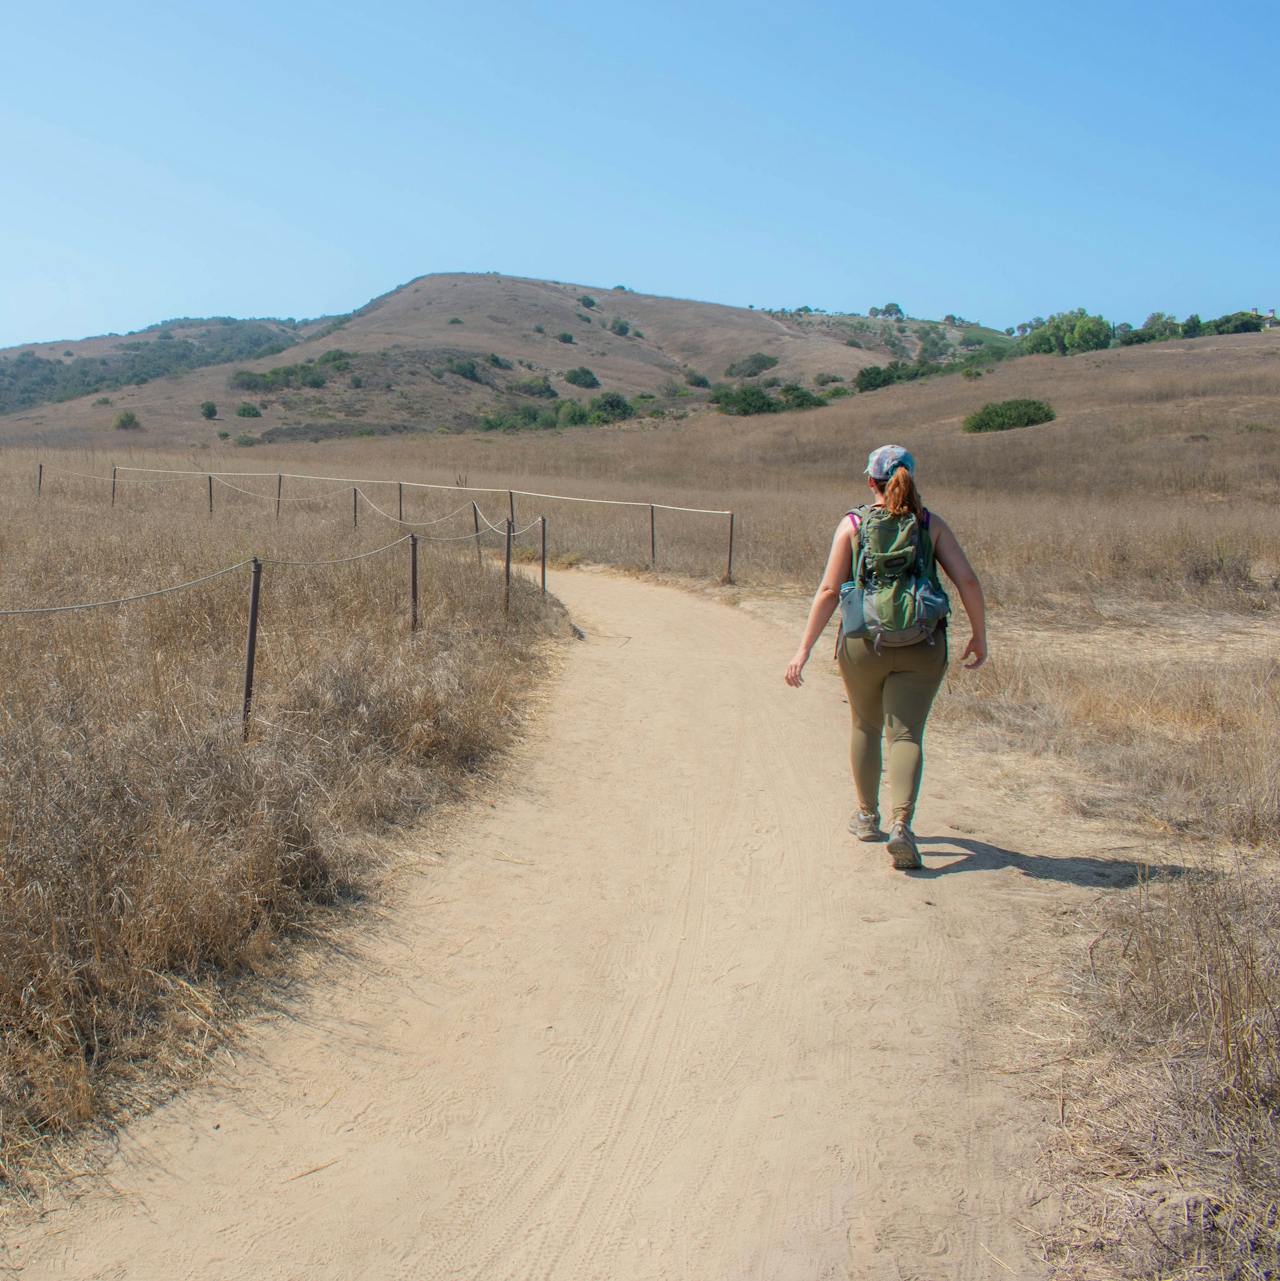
(507, 530)
(359, 486)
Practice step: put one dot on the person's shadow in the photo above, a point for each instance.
(1076, 869)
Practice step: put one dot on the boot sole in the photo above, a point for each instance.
(905, 857)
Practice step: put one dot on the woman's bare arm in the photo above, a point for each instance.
(839, 568)
(951, 557)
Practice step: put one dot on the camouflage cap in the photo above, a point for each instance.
(883, 462)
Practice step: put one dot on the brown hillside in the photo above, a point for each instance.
(404, 340)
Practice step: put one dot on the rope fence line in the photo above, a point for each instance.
(256, 563)
(124, 600)
(164, 474)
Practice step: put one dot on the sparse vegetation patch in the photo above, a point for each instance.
(1003, 415)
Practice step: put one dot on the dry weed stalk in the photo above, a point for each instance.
(149, 857)
(1171, 1139)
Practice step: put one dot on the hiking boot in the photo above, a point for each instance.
(866, 827)
(902, 847)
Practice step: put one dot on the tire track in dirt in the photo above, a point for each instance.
(656, 1015)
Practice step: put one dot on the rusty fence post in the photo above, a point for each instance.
(39, 477)
(728, 573)
(279, 486)
(113, 487)
(210, 495)
(544, 555)
(413, 582)
(511, 506)
(355, 509)
(506, 593)
(475, 516)
(251, 643)
(653, 540)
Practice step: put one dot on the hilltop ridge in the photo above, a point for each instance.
(443, 353)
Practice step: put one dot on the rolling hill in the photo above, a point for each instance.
(439, 353)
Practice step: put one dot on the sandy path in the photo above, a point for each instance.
(655, 1016)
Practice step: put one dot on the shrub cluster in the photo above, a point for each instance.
(619, 326)
(1002, 415)
(568, 413)
(280, 378)
(581, 376)
(247, 410)
(745, 401)
(126, 420)
(27, 379)
(750, 366)
(464, 367)
(538, 385)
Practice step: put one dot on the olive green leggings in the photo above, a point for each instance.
(890, 693)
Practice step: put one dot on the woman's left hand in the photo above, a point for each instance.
(795, 667)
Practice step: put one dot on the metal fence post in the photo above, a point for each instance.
(413, 582)
(511, 505)
(544, 555)
(279, 486)
(355, 509)
(39, 477)
(210, 495)
(251, 644)
(113, 487)
(400, 491)
(475, 516)
(506, 594)
(653, 540)
(728, 573)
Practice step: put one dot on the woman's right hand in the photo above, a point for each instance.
(975, 649)
(795, 667)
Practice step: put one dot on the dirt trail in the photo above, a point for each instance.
(656, 1015)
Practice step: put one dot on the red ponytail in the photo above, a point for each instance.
(900, 494)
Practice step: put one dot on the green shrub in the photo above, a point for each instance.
(538, 329)
(224, 435)
(304, 375)
(750, 366)
(839, 391)
(464, 367)
(339, 359)
(497, 362)
(635, 333)
(564, 336)
(244, 440)
(609, 407)
(745, 401)
(619, 326)
(581, 376)
(572, 414)
(539, 385)
(696, 379)
(455, 320)
(1003, 415)
(586, 320)
(587, 301)
(1192, 326)
(853, 342)
(623, 288)
(246, 410)
(771, 382)
(126, 420)
(1238, 322)
(103, 400)
(796, 397)
(208, 409)
(356, 380)
(872, 377)
(366, 431)
(821, 380)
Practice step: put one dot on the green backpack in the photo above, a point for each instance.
(894, 597)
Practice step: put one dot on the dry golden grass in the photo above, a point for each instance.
(1133, 568)
(150, 858)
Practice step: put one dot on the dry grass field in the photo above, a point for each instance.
(1131, 554)
(152, 860)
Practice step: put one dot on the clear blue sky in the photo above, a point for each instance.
(997, 161)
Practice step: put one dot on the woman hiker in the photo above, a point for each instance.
(893, 641)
